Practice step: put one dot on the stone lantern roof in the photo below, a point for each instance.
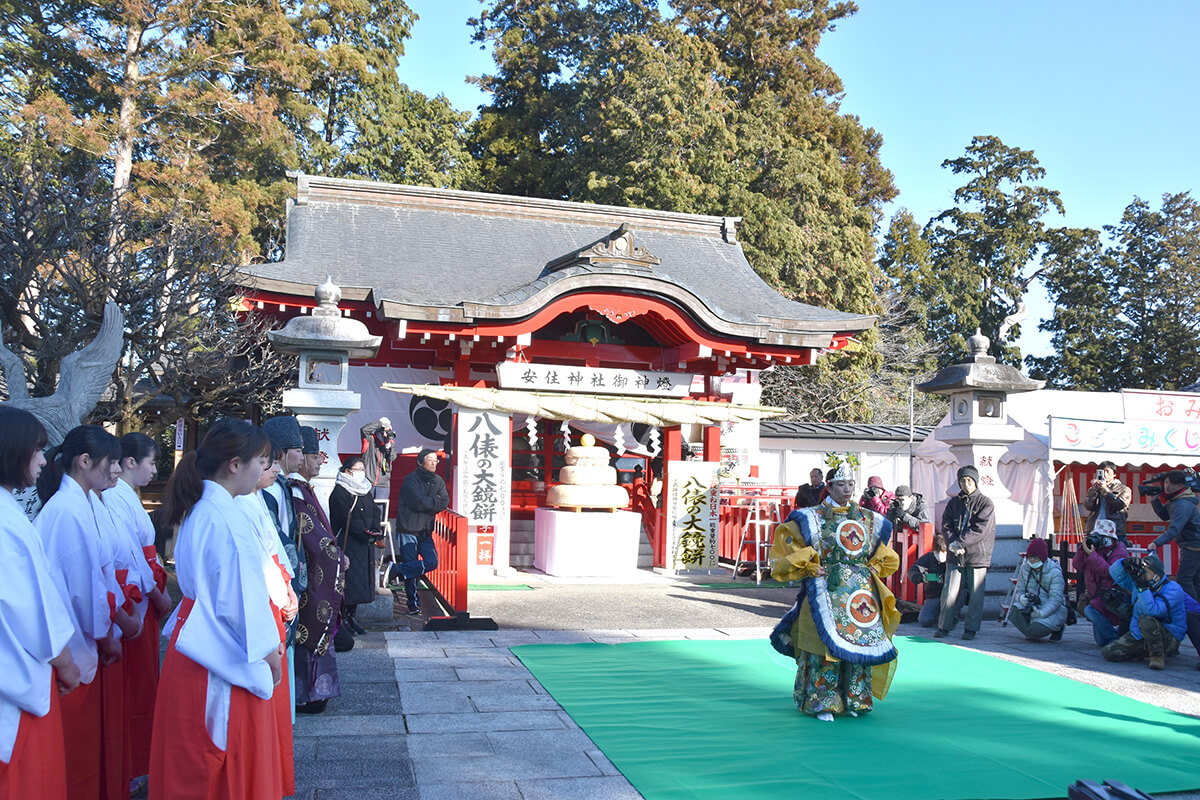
(979, 372)
(326, 329)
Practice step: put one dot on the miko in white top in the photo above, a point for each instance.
(230, 629)
(35, 623)
(258, 517)
(84, 559)
(132, 528)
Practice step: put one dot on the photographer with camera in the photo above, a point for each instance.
(1039, 605)
(969, 525)
(1106, 605)
(1107, 498)
(1176, 504)
(1159, 613)
(876, 498)
(907, 511)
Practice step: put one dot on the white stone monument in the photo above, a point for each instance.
(325, 342)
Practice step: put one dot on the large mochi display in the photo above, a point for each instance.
(587, 481)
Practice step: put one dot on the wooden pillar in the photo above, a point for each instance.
(712, 443)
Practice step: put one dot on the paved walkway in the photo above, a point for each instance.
(449, 715)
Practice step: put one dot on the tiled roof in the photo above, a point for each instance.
(775, 429)
(437, 254)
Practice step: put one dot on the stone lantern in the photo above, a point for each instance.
(979, 434)
(325, 342)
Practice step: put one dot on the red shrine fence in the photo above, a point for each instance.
(449, 580)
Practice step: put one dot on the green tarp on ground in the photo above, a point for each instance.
(499, 587)
(715, 719)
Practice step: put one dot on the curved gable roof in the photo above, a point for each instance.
(436, 254)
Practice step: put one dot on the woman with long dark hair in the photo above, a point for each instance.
(79, 537)
(215, 732)
(36, 628)
(139, 456)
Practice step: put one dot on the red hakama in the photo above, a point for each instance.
(81, 733)
(36, 770)
(282, 698)
(185, 764)
(141, 686)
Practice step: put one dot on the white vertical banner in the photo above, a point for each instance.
(693, 513)
(483, 487)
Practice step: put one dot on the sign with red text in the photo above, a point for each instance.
(1161, 406)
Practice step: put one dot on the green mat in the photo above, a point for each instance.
(499, 587)
(703, 719)
(750, 584)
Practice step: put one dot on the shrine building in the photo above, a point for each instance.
(533, 322)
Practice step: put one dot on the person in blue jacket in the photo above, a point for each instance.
(1159, 613)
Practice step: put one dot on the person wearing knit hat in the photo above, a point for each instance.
(285, 432)
(1039, 606)
(1161, 612)
(311, 450)
(969, 525)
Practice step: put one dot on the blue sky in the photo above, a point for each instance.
(1105, 93)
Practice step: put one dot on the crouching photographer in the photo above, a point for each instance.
(1039, 606)
(1174, 500)
(1159, 613)
(906, 512)
(1107, 606)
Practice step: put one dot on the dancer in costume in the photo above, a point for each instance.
(840, 629)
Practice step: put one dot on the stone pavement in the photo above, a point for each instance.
(448, 715)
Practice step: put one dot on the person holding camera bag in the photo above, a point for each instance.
(1159, 613)
(1177, 505)
(1106, 605)
(1107, 498)
(1039, 605)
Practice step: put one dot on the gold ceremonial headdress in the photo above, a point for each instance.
(844, 465)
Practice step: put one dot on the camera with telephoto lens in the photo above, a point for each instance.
(1154, 484)
(1095, 540)
(1136, 570)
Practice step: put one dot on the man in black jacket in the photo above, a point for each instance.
(423, 496)
(969, 525)
(811, 493)
(1177, 505)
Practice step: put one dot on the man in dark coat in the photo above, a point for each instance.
(1178, 507)
(423, 496)
(813, 492)
(969, 525)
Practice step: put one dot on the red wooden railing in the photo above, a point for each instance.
(738, 504)
(449, 580)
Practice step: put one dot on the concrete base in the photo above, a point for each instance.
(378, 611)
(586, 543)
